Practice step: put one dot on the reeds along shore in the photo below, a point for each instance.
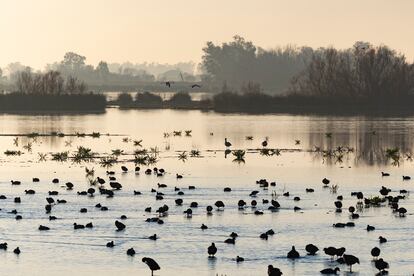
(42, 102)
(260, 103)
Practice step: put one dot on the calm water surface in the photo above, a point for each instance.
(181, 249)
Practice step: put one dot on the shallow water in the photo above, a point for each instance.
(182, 247)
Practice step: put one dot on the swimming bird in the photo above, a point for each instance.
(231, 240)
(212, 250)
(385, 174)
(110, 244)
(16, 251)
(375, 252)
(325, 181)
(195, 86)
(131, 252)
(273, 271)
(203, 226)
(401, 211)
(227, 143)
(119, 225)
(152, 264)
(43, 228)
(350, 260)
(328, 271)
(239, 259)
(370, 228)
(153, 237)
(124, 169)
(382, 239)
(406, 177)
(381, 265)
(219, 204)
(311, 249)
(293, 254)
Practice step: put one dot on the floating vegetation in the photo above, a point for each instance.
(394, 155)
(16, 141)
(239, 154)
(141, 152)
(28, 147)
(154, 151)
(83, 154)
(195, 153)
(42, 156)
(60, 156)
(95, 135)
(182, 156)
(188, 133)
(137, 143)
(89, 172)
(117, 152)
(266, 152)
(107, 161)
(13, 152)
(334, 188)
(375, 201)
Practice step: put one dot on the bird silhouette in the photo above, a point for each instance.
(152, 264)
(212, 250)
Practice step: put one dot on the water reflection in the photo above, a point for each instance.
(195, 132)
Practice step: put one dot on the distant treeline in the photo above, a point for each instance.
(50, 92)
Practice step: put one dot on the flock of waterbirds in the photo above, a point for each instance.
(108, 186)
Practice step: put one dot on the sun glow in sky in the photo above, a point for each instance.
(36, 32)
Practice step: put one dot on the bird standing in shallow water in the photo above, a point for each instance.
(152, 264)
(212, 250)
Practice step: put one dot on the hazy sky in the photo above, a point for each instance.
(36, 32)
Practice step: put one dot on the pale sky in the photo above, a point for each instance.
(36, 32)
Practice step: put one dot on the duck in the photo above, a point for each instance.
(293, 254)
